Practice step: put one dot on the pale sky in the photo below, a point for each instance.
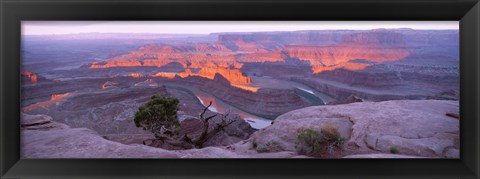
(207, 27)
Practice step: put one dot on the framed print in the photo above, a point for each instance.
(306, 89)
(240, 89)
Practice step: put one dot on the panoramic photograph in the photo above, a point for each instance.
(240, 89)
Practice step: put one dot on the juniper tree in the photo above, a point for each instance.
(159, 116)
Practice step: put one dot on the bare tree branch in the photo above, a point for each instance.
(186, 142)
(223, 125)
(205, 110)
(208, 118)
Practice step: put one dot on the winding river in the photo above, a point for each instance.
(255, 121)
(221, 107)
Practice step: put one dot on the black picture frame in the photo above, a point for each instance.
(12, 12)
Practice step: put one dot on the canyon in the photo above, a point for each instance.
(95, 83)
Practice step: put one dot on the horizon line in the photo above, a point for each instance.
(151, 33)
(211, 27)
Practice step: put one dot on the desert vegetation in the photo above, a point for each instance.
(159, 116)
(314, 142)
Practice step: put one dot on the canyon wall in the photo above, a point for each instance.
(267, 103)
(324, 50)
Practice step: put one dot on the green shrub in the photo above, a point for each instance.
(262, 148)
(159, 116)
(309, 142)
(271, 146)
(313, 142)
(393, 150)
(332, 136)
(254, 144)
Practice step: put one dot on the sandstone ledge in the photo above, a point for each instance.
(411, 127)
(416, 128)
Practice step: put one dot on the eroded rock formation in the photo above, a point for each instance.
(371, 129)
(413, 127)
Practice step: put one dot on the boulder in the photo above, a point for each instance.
(82, 143)
(285, 129)
(50, 125)
(238, 130)
(412, 127)
(86, 143)
(31, 120)
(39, 122)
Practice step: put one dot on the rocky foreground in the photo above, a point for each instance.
(414, 128)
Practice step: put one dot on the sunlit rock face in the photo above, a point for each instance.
(136, 75)
(373, 46)
(333, 57)
(116, 64)
(55, 100)
(232, 50)
(59, 96)
(165, 75)
(275, 56)
(246, 87)
(31, 76)
(233, 76)
(192, 56)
